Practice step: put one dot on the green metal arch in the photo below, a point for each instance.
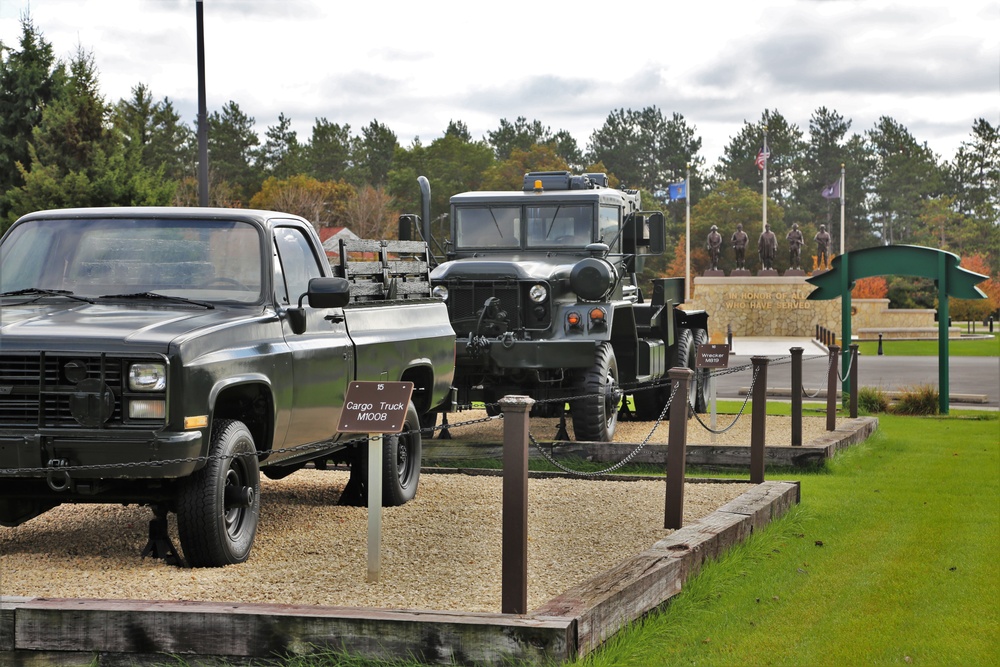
(901, 260)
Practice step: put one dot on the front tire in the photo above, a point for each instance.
(218, 507)
(595, 416)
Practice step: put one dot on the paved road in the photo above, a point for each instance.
(969, 375)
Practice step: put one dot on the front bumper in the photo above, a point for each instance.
(508, 354)
(101, 455)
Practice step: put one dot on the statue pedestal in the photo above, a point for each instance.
(713, 273)
(767, 273)
(771, 306)
(794, 272)
(739, 273)
(818, 271)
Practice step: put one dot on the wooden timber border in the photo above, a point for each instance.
(63, 632)
(46, 631)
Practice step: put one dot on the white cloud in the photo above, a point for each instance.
(934, 68)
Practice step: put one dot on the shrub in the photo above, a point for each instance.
(872, 400)
(919, 400)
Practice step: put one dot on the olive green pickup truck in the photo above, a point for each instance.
(167, 356)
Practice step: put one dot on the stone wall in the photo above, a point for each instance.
(778, 306)
(763, 306)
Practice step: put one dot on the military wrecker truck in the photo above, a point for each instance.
(542, 293)
(166, 356)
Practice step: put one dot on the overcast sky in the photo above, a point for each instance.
(932, 66)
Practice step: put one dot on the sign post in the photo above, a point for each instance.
(712, 356)
(375, 408)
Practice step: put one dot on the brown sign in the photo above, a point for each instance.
(375, 407)
(713, 356)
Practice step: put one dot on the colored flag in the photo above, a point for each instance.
(832, 191)
(678, 191)
(762, 157)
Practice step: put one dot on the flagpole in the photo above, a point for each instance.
(687, 233)
(765, 182)
(843, 248)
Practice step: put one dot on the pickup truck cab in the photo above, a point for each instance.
(166, 356)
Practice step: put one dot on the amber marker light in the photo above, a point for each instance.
(597, 315)
(538, 185)
(573, 319)
(200, 421)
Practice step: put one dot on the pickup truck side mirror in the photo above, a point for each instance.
(322, 293)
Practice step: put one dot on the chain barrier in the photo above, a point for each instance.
(631, 455)
(847, 373)
(816, 393)
(314, 446)
(736, 419)
(621, 390)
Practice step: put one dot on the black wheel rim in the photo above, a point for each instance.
(611, 398)
(236, 514)
(403, 458)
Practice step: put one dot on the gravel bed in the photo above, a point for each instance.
(441, 551)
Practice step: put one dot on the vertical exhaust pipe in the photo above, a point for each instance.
(425, 207)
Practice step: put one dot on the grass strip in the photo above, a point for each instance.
(890, 559)
(984, 347)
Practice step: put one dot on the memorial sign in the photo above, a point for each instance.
(712, 356)
(375, 407)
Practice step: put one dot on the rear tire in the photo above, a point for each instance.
(595, 417)
(218, 507)
(401, 454)
(687, 357)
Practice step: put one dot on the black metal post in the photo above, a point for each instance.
(854, 380)
(831, 389)
(796, 396)
(673, 509)
(202, 109)
(514, 550)
(729, 336)
(758, 423)
(880, 345)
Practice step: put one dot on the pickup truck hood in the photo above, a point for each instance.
(53, 325)
(517, 267)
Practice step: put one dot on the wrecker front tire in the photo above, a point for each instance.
(595, 416)
(218, 507)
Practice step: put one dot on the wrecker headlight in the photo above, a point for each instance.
(538, 293)
(440, 292)
(147, 377)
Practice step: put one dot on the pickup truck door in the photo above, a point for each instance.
(322, 357)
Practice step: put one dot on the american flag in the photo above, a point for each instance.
(762, 157)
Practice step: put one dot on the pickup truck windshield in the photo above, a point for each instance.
(209, 261)
(550, 226)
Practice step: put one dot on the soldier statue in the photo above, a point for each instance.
(822, 239)
(740, 241)
(795, 242)
(714, 246)
(767, 247)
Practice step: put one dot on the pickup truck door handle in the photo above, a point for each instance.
(336, 318)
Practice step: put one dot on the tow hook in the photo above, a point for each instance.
(58, 480)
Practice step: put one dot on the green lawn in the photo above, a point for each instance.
(891, 558)
(929, 348)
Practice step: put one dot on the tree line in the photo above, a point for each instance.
(62, 144)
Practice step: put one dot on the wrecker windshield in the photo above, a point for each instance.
(553, 225)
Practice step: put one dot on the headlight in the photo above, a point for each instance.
(440, 291)
(538, 293)
(147, 377)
